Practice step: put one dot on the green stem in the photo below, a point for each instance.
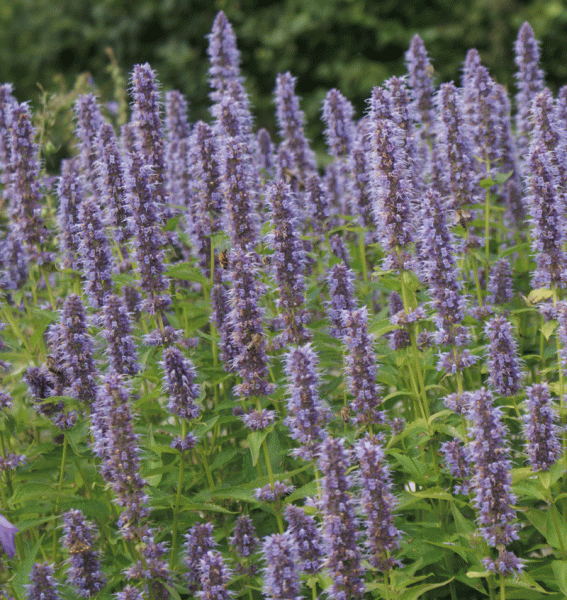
(174, 540)
(59, 490)
(362, 250)
(502, 588)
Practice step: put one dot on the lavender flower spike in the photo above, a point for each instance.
(85, 573)
(504, 372)
(76, 349)
(341, 291)
(198, 542)
(89, 123)
(70, 193)
(118, 334)
(307, 415)
(530, 82)
(421, 82)
(378, 503)
(289, 262)
(360, 366)
(96, 255)
(281, 573)
(340, 524)
(543, 446)
(391, 186)
(244, 541)
(23, 176)
(215, 576)
(548, 220)
(179, 382)
(307, 536)
(223, 55)
(7, 535)
(42, 584)
(492, 479)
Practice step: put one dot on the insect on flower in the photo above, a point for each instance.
(462, 217)
(79, 546)
(223, 259)
(255, 342)
(52, 366)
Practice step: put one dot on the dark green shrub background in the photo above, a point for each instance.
(349, 44)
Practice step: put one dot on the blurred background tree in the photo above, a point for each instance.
(349, 44)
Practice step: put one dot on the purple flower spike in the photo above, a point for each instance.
(500, 283)
(548, 220)
(223, 55)
(289, 262)
(144, 222)
(504, 371)
(341, 291)
(399, 338)
(317, 203)
(378, 503)
(244, 541)
(23, 177)
(89, 123)
(453, 148)
(178, 130)
(266, 151)
(543, 446)
(391, 186)
(116, 443)
(457, 459)
(111, 185)
(130, 593)
(148, 128)
(179, 382)
(70, 193)
(239, 191)
(307, 536)
(306, 414)
(359, 167)
(250, 361)
(529, 79)
(439, 269)
(77, 351)
(42, 584)
(198, 542)
(291, 121)
(421, 82)
(214, 577)
(85, 573)
(338, 114)
(281, 573)
(491, 480)
(360, 367)
(7, 536)
(506, 564)
(118, 334)
(95, 252)
(340, 524)
(7, 100)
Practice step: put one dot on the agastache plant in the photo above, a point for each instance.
(504, 369)
(529, 79)
(541, 431)
(89, 123)
(421, 86)
(70, 194)
(43, 585)
(289, 262)
(343, 559)
(281, 573)
(307, 415)
(491, 480)
(78, 538)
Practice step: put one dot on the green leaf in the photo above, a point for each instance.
(186, 272)
(418, 590)
(560, 571)
(487, 183)
(22, 575)
(255, 440)
(548, 328)
(538, 295)
(555, 527)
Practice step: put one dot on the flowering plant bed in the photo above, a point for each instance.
(226, 373)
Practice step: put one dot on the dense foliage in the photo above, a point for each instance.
(227, 373)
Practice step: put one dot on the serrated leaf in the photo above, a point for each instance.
(487, 183)
(556, 528)
(255, 440)
(186, 272)
(21, 577)
(418, 590)
(548, 328)
(560, 571)
(538, 295)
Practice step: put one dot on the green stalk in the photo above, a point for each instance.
(59, 490)
(174, 540)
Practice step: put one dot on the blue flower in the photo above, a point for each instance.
(7, 535)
